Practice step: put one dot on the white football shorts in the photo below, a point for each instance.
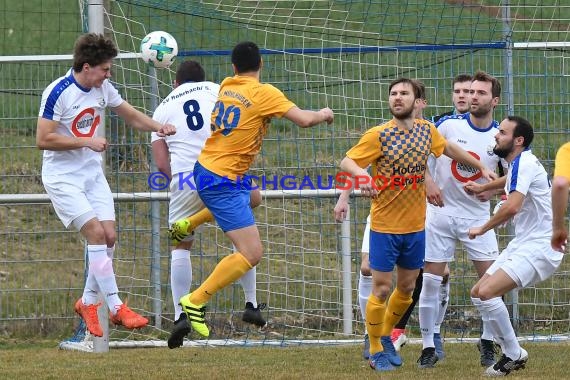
(76, 194)
(527, 262)
(443, 232)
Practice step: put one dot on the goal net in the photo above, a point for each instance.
(340, 54)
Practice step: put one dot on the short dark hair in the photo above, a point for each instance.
(495, 84)
(246, 57)
(422, 88)
(93, 49)
(522, 128)
(413, 83)
(462, 78)
(190, 71)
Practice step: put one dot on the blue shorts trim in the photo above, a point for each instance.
(405, 250)
(227, 200)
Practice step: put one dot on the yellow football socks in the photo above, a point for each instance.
(375, 310)
(397, 306)
(199, 218)
(228, 270)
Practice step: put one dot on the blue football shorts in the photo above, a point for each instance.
(227, 200)
(405, 250)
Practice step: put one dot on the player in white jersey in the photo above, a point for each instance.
(70, 112)
(451, 211)
(461, 99)
(189, 107)
(528, 258)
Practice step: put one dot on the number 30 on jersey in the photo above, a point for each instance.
(226, 118)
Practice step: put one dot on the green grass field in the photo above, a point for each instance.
(40, 360)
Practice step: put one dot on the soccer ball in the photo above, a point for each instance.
(159, 49)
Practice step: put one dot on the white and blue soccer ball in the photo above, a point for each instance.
(159, 49)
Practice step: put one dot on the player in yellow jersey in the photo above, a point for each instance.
(239, 122)
(398, 335)
(398, 152)
(560, 186)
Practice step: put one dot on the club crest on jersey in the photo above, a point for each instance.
(465, 173)
(85, 123)
(490, 150)
(101, 102)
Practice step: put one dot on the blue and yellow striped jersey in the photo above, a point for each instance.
(399, 160)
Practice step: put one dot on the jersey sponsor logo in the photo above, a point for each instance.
(465, 173)
(408, 169)
(85, 123)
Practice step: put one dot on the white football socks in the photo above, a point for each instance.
(249, 284)
(101, 267)
(364, 290)
(442, 305)
(180, 277)
(429, 307)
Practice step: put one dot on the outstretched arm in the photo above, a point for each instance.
(140, 121)
(306, 118)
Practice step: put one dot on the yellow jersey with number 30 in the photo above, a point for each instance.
(240, 119)
(562, 163)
